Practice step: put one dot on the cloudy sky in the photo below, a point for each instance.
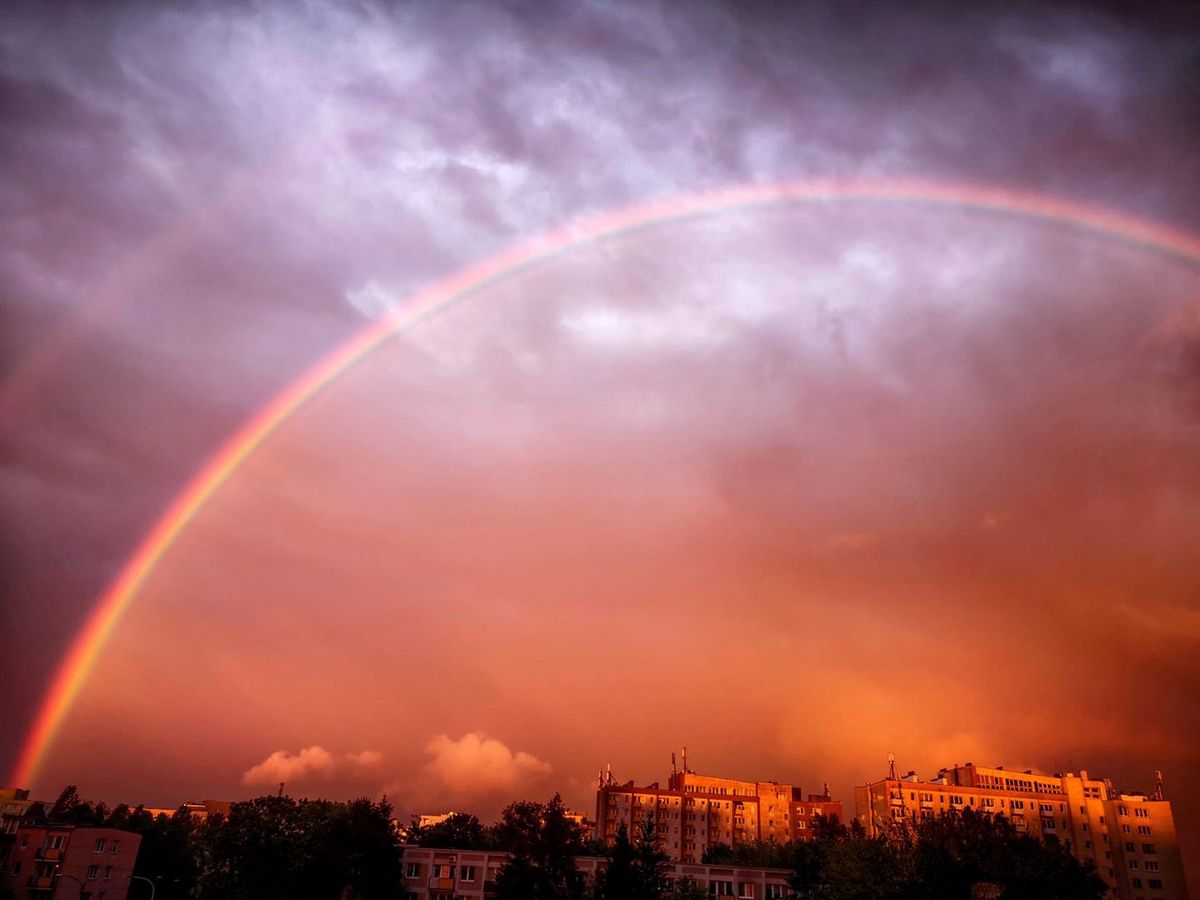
(795, 486)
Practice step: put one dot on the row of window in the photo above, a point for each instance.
(441, 870)
(47, 869)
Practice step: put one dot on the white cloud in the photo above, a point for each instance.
(476, 763)
(311, 761)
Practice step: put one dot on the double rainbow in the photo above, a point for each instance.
(87, 645)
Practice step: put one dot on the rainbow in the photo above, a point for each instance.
(85, 649)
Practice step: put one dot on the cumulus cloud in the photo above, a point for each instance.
(308, 763)
(476, 763)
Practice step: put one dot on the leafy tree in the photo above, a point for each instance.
(65, 806)
(689, 889)
(461, 831)
(542, 844)
(275, 847)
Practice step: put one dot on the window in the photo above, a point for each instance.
(108, 871)
(466, 873)
(1144, 829)
(1127, 829)
(746, 890)
(17, 867)
(93, 871)
(1122, 810)
(1148, 848)
(442, 870)
(413, 870)
(1133, 864)
(720, 888)
(1142, 813)
(1156, 884)
(115, 845)
(775, 891)
(1136, 882)
(99, 848)
(1152, 865)
(1129, 848)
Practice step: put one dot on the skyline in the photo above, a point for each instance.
(904, 457)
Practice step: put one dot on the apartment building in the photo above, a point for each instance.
(48, 860)
(431, 874)
(1129, 838)
(694, 812)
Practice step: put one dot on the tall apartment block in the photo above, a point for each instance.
(694, 812)
(1129, 837)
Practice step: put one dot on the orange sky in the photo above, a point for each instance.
(789, 487)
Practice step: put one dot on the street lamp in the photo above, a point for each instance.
(148, 881)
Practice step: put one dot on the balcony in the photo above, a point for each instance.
(40, 882)
(49, 853)
(441, 884)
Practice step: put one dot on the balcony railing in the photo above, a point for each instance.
(49, 853)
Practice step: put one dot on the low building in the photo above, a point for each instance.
(1130, 838)
(695, 812)
(431, 874)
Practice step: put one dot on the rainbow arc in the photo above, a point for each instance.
(85, 649)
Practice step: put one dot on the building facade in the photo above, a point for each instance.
(431, 874)
(50, 860)
(1129, 838)
(695, 812)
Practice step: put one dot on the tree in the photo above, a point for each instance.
(275, 848)
(542, 844)
(689, 889)
(461, 831)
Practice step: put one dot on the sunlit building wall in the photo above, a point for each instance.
(1129, 838)
(433, 874)
(695, 812)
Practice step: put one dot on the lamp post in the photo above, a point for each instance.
(148, 881)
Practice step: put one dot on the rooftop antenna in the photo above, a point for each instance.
(685, 767)
(1158, 785)
(281, 789)
(891, 767)
(673, 770)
